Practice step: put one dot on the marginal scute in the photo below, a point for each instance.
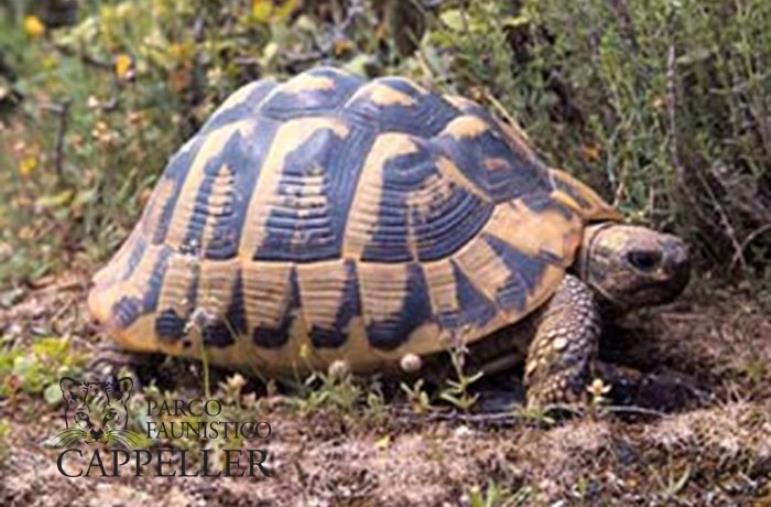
(525, 273)
(169, 326)
(125, 311)
(178, 296)
(330, 295)
(271, 300)
(476, 308)
(395, 301)
(223, 331)
(578, 196)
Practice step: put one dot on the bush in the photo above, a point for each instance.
(661, 105)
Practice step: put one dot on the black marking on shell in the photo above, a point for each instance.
(285, 105)
(125, 311)
(327, 167)
(573, 192)
(243, 159)
(416, 309)
(169, 326)
(176, 170)
(540, 202)
(426, 117)
(155, 283)
(350, 307)
(223, 333)
(525, 273)
(134, 257)
(474, 307)
(438, 228)
(515, 177)
(268, 337)
(245, 109)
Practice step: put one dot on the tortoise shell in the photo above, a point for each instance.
(330, 218)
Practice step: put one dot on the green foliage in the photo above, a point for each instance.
(418, 398)
(338, 392)
(38, 368)
(457, 391)
(662, 105)
(5, 443)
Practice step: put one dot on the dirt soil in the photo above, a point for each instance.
(700, 435)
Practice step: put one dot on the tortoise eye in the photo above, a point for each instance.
(644, 260)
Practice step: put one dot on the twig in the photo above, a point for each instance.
(510, 417)
(739, 253)
(62, 110)
(672, 115)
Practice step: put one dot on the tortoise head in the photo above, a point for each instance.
(632, 266)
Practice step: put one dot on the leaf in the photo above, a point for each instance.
(55, 200)
(27, 165)
(453, 19)
(383, 442)
(516, 21)
(264, 11)
(52, 394)
(261, 10)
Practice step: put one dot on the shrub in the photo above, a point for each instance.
(663, 105)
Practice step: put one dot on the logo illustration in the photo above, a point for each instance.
(96, 412)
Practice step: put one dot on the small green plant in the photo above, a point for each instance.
(417, 397)
(538, 416)
(457, 390)
(493, 496)
(37, 369)
(5, 444)
(597, 400)
(319, 390)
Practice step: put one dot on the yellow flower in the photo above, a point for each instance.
(598, 388)
(27, 165)
(236, 382)
(592, 151)
(33, 27)
(261, 9)
(265, 10)
(123, 64)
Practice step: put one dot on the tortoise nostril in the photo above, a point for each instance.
(644, 260)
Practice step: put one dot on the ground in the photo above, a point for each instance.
(698, 433)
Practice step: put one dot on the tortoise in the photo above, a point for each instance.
(330, 220)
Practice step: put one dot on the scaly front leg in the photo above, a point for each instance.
(560, 359)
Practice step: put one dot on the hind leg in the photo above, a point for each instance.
(560, 360)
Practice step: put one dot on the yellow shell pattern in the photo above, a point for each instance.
(329, 218)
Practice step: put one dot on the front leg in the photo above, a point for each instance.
(560, 360)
